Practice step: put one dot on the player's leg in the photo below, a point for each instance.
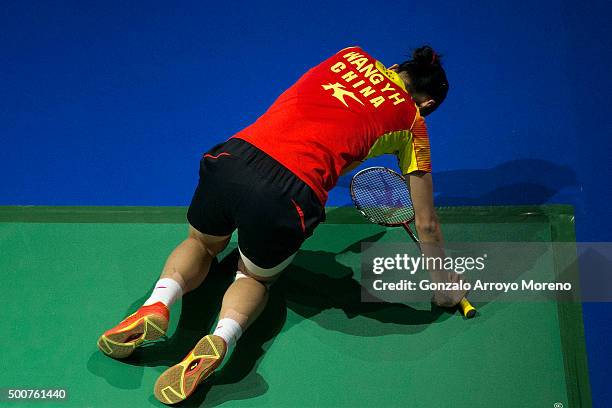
(185, 269)
(245, 298)
(243, 302)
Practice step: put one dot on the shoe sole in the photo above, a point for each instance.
(180, 381)
(123, 342)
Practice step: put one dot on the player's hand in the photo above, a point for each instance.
(448, 298)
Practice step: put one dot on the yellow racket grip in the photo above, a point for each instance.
(467, 309)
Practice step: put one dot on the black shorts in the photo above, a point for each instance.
(243, 188)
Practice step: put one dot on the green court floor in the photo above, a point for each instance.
(69, 273)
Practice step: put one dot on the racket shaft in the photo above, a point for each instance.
(409, 231)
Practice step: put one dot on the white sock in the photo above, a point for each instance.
(166, 291)
(229, 330)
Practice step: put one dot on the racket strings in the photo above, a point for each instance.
(382, 196)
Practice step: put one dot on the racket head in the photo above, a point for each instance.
(382, 196)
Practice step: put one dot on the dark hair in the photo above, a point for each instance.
(426, 75)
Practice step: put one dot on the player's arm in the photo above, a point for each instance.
(413, 156)
(426, 219)
(430, 234)
(414, 161)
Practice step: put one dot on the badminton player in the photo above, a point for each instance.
(270, 183)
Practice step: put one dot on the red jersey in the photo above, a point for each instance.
(333, 116)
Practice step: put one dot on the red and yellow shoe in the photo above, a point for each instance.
(148, 323)
(180, 381)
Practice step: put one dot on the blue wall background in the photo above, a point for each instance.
(106, 103)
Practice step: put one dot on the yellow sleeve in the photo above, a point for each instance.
(410, 146)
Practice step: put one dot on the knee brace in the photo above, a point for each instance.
(264, 272)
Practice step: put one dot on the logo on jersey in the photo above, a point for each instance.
(340, 92)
